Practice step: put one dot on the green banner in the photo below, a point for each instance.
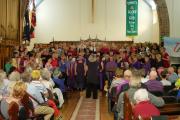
(131, 17)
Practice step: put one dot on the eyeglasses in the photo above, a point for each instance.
(127, 76)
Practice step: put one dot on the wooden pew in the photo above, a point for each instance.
(128, 109)
(171, 110)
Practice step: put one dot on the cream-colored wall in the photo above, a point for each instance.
(155, 29)
(71, 19)
(174, 15)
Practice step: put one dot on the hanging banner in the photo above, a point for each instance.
(131, 17)
(172, 46)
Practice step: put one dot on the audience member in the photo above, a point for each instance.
(118, 79)
(143, 106)
(178, 72)
(172, 76)
(4, 82)
(164, 80)
(152, 84)
(127, 75)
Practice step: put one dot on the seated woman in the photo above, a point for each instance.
(118, 79)
(46, 80)
(144, 107)
(135, 84)
(4, 82)
(13, 78)
(11, 107)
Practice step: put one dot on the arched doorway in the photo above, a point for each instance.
(163, 16)
(164, 24)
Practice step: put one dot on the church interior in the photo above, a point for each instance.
(89, 60)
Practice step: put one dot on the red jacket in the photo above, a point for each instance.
(54, 63)
(145, 109)
(166, 63)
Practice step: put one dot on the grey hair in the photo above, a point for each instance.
(14, 76)
(26, 76)
(45, 74)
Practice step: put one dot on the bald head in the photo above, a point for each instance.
(152, 75)
(170, 70)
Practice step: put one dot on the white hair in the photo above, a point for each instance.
(141, 95)
(45, 74)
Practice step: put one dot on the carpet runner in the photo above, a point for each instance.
(86, 109)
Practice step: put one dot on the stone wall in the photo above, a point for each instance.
(164, 24)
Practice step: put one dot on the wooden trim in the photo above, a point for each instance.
(20, 22)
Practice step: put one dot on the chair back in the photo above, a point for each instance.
(173, 92)
(122, 87)
(167, 89)
(161, 117)
(157, 93)
(169, 99)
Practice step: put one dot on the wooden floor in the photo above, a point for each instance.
(73, 98)
(70, 104)
(104, 114)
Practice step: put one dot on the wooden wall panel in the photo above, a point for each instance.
(3, 18)
(9, 28)
(9, 20)
(12, 19)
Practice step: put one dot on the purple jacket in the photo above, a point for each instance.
(154, 85)
(110, 66)
(137, 65)
(147, 67)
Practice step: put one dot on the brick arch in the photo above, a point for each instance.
(163, 16)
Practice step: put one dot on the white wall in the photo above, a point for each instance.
(71, 19)
(174, 15)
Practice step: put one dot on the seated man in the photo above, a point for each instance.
(152, 84)
(164, 80)
(144, 107)
(172, 77)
